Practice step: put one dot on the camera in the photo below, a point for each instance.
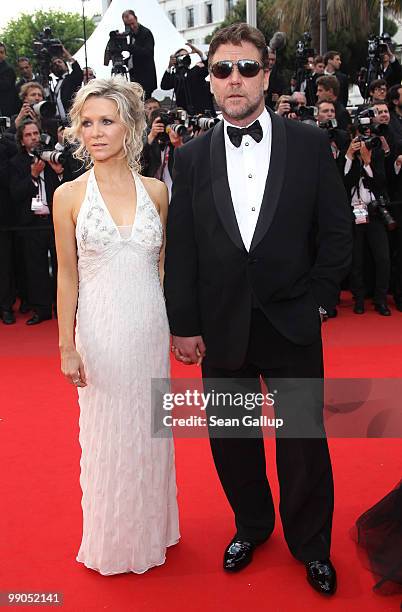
(203, 123)
(44, 48)
(43, 152)
(117, 43)
(304, 49)
(168, 119)
(379, 207)
(44, 109)
(183, 62)
(377, 46)
(364, 122)
(330, 125)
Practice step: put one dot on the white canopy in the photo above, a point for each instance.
(151, 15)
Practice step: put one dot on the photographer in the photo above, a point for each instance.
(8, 94)
(31, 93)
(338, 138)
(390, 68)
(165, 136)
(7, 238)
(332, 61)
(32, 184)
(191, 90)
(26, 73)
(67, 82)
(288, 105)
(395, 108)
(276, 85)
(328, 89)
(141, 63)
(365, 181)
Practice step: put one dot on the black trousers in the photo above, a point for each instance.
(41, 285)
(7, 269)
(375, 234)
(303, 463)
(396, 241)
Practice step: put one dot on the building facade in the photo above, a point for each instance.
(196, 19)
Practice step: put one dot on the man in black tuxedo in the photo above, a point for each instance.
(141, 64)
(34, 181)
(68, 83)
(332, 61)
(258, 240)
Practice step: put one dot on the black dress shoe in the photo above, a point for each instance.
(382, 309)
(359, 307)
(8, 317)
(238, 555)
(322, 576)
(37, 319)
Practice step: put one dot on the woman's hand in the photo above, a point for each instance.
(73, 368)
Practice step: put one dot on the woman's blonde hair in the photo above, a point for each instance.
(130, 107)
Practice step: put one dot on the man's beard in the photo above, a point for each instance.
(242, 113)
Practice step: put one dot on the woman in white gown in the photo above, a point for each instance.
(109, 226)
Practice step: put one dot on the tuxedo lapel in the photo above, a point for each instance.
(220, 186)
(274, 182)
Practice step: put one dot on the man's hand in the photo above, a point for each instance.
(353, 148)
(175, 139)
(172, 61)
(188, 350)
(37, 167)
(365, 154)
(58, 168)
(398, 161)
(385, 145)
(67, 56)
(26, 112)
(158, 127)
(283, 107)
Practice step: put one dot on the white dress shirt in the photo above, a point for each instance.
(247, 169)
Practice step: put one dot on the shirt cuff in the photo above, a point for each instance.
(348, 165)
(368, 171)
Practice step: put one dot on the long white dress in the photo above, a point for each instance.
(127, 477)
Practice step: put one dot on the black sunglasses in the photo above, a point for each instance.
(247, 68)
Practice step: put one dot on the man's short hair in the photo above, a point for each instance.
(377, 83)
(20, 129)
(329, 82)
(330, 56)
(3, 46)
(24, 59)
(324, 101)
(393, 93)
(318, 60)
(235, 34)
(128, 12)
(31, 85)
(151, 99)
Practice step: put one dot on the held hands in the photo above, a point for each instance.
(73, 368)
(188, 350)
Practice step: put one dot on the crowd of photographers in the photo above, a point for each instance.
(366, 143)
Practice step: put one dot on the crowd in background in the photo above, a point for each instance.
(366, 144)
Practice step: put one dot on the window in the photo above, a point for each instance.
(229, 6)
(208, 12)
(172, 17)
(190, 16)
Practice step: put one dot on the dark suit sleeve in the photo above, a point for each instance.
(7, 79)
(334, 252)
(22, 186)
(181, 262)
(168, 80)
(143, 48)
(76, 76)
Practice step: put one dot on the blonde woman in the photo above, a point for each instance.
(109, 226)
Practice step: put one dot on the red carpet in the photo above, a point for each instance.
(40, 494)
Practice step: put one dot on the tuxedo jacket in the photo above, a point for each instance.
(71, 84)
(23, 189)
(141, 49)
(300, 252)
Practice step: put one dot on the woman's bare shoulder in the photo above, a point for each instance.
(157, 190)
(73, 189)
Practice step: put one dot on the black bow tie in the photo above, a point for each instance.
(236, 134)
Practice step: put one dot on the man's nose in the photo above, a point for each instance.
(235, 76)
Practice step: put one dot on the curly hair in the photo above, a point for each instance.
(129, 98)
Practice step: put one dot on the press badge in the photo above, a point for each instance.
(36, 203)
